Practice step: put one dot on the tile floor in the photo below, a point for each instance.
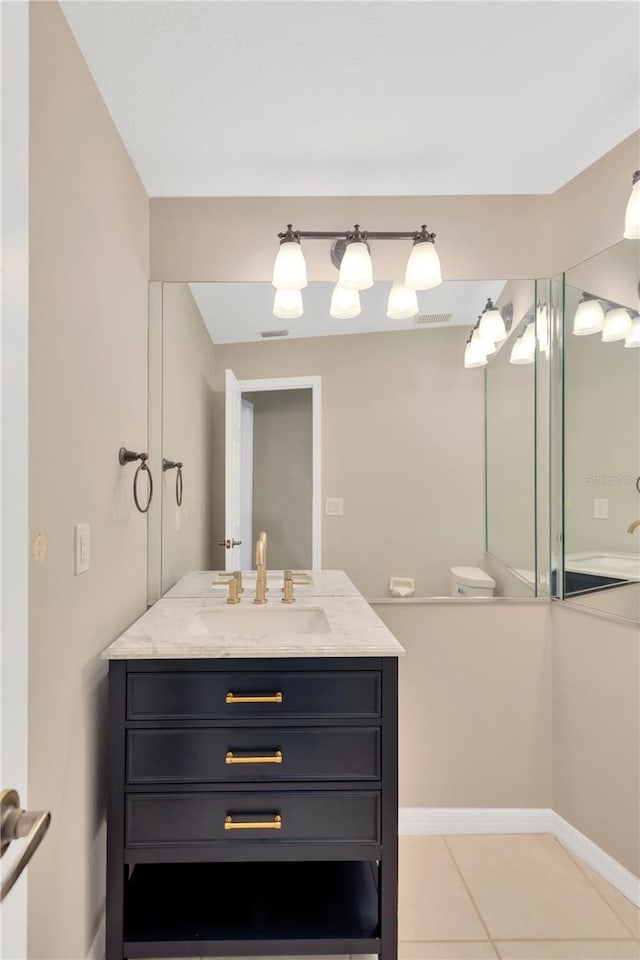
(515, 897)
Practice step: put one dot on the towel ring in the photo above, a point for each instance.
(174, 465)
(129, 456)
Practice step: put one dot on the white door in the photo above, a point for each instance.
(246, 482)
(233, 472)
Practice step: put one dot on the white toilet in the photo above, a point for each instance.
(471, 582)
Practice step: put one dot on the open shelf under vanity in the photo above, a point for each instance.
(196, 909)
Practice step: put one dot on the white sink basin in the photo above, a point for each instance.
(257, 621)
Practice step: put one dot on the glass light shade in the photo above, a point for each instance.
(633, 340)
(356, 271)
(589, 318)
(492, 326)
(473, 356)
(632, 214)
(423, 267)
(542, 326)
(289, 270)
(402, 303)
(524, 349)
(529, 336)
(617, 325)
(345, 304)
(487, 347)
(287, 304)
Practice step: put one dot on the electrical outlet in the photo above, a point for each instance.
(601, 509)
(82, 538)
(334, 507)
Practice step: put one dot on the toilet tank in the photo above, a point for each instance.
(471, 582)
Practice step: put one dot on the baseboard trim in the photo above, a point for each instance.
(430, 821)
(598, 859)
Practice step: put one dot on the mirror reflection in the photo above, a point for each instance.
(335, 436)
(602, 432)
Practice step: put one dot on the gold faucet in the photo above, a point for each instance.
(633, 526)
(261, 568)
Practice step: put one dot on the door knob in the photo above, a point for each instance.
(15, 823)
(229, 543)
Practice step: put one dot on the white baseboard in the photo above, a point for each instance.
(596, 858)
(430, 821)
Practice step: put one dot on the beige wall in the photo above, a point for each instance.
(234, 238)
(187, 435)
(475, 703)
(587, 214)
(596, 735)
(89, 231)
(402, 435)
(282, 475)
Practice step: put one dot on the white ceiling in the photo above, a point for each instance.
(238, 312)
(263, 98)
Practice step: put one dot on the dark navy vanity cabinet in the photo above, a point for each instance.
(252, 807)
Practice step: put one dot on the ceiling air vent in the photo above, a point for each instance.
(433, 319)
(274, 333)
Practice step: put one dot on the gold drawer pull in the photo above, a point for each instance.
(268, 698)
(231, 758)
(275, 824)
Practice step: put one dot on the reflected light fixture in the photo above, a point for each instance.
(491, 324)
(617, 325)
(632, 213)
(524, 348)
(290, 269)
(350, 254)
(402, 303)
(423, 267)
(633, 340)
(287, 304)
(345, 303)
(542, 327)
(473, 355)
(589, 317)
(483, 343)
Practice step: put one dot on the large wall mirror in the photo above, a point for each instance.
(356, 444)
(602, 432)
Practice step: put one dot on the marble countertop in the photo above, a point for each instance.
(325, 583)
(171, 629)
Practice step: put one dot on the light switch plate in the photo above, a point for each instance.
(82, 537)
(334, 507)
(601, 509)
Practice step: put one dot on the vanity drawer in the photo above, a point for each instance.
(169, 820)
(174, 696)
(249, 754)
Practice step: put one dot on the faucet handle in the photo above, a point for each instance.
(288, 596)
(234, 593)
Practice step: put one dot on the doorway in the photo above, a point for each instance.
(272, 471)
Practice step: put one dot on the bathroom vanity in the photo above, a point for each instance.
(252, 805)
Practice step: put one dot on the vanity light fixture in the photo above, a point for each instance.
(402, 303)
(423, 267)
(491, 324)
(633, 340)
(345, 303)
(290, 269)
(589, 317)
(350, 254)
(617, 325)
(632, 213)
(356, 269)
